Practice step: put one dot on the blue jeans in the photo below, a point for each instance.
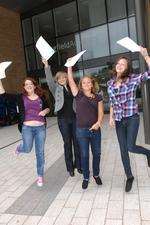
(37, 134)
(127, 130)
(85, 138)
(67, 128)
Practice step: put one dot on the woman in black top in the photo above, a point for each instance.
(66, 117)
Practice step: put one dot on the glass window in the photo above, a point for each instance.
(27, 31)
(102, 76)
(30, 58)
(91, 13)
(131, 7)
(95, 41)
(135, 65)
(43, 26)
(66, 19)
(132, 28)
(116, 9)
(78, 73)
(68, 46)
(117, 34)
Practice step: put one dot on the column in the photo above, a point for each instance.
(142, 32)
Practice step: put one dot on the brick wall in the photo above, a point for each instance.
(11, 49)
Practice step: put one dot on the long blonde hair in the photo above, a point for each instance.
(93, 89)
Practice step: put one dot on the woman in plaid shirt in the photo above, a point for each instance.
(124, 110)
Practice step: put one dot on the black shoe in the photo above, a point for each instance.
(79, 171)
(98, 180)
(85, 184)
(129, 183)
(148, 160)
(71, 173)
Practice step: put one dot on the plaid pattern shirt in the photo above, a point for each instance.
(123, 98)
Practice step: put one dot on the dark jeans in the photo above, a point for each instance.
(85, 138)
(67, 128)
(127, 130)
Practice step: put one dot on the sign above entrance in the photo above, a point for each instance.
(44, 48)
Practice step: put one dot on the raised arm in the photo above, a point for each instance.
(72, 84)
(145, 55)
(2, 90)
(49, 78)
(145, 75)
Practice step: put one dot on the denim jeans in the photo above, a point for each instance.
(127, 130)
(86, 138)
(37, 134)
(67, 128)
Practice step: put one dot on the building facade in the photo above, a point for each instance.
(73, 26)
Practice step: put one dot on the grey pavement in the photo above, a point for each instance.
(61, 201)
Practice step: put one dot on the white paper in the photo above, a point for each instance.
(3, 67)
(129, 44)
(74, 59)
(44, 48)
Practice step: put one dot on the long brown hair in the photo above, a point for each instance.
(93, 89)
(38, 90)
(127, 71)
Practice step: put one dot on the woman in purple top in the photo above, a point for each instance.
(32, 108)
(124, 110)
(89, 115)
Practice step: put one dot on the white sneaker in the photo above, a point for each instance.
(39, 181)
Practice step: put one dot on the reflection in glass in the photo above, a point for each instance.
(78, 73)
(117, 34)
(91, 13)
(136, 65)
(131, 7)
(102, 76)
(95, 41)
(116, 9)
(30, 58)
(132, 29)
(27, 31)
(66, 19)
(43, 26)
(67, 47)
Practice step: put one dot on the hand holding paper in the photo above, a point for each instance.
(44, 48)
(3, 67)
(129, 44)
(72, 61)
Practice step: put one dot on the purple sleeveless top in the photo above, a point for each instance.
(32, 109)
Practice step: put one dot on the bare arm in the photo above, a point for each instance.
(111, 119)
(145, 55)
(100, 112)
(44, 112)
(98, 124)
(72, 84)
(2, 90)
